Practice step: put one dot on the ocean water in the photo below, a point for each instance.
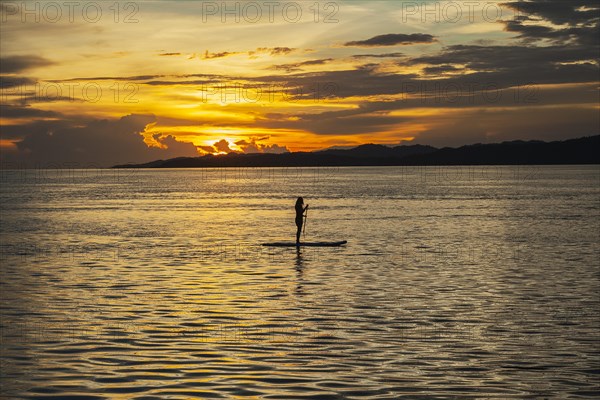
(456, 282)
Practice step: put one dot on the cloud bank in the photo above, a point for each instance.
(392, 39)
(100, 143)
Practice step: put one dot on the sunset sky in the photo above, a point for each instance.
(115, 82)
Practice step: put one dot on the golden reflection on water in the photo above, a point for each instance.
(157, 285)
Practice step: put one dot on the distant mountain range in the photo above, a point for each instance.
(585, 150)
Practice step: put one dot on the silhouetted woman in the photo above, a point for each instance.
(300, 209)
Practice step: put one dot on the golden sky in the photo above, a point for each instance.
(135, 81)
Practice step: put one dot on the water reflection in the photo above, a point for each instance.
(451, 287)
(299, 271)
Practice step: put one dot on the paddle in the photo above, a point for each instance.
(305, 218)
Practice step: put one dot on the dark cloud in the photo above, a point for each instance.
(98, 142)
(252, 145)
(574, 35)
(248, 146)
(392, 39)
(9, 82)
(466, 98)
(507, 66)
(209, 56)
(11, 111)
(367, 118)
(222, 146)
(498, 66)
(277, 51)
(384, 55)
(273, 148)
(171, 147)
(207, 149)
(112, 78)
(575, 22)
(298, 66)
(16, 64)
(440, 69)
(571, 12)
(36, 127)
(494, 58)
(343, 125)
(317, 86)
(454, 93)
(188, 82)
(169, 54)
(273, 51)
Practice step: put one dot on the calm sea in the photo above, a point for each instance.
(456, 282)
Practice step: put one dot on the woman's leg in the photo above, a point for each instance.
(298, 232)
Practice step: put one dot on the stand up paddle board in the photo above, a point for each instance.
(306, 244)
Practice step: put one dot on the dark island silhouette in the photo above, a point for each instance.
(583, 150)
